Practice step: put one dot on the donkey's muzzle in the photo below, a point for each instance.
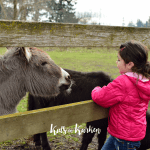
(68, 78)
(65, 80)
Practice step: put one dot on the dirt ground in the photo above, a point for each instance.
(59, 143)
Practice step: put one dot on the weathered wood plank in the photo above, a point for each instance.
(16, 33)
(38, 121)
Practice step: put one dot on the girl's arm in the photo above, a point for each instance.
(111, 94)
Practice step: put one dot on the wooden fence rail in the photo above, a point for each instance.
(37, 121)
(16, 33)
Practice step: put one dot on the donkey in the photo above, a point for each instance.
(31, 70)
(81, 90)
(145, 144)
(83, 84)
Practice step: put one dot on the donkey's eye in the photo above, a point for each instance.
(44, 63)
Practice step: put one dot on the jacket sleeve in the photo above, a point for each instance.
(111, 94)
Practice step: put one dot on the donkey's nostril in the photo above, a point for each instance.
(68, 78)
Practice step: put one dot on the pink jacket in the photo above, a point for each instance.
(128, 101)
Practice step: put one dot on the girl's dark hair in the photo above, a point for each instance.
(137, 53)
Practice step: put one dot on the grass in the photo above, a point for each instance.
(87, 60)
(2, 50)
(80, 59)
(83, 59)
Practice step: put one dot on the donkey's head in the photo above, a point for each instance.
(34, 70)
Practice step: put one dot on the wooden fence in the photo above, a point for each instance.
(38, 121)
(16, 33)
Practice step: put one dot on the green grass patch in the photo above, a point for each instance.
(2, 50)
(22, 107)
(87, 60)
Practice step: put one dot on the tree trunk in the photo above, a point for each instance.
(23, 10)
(36, 4)
(15, 10)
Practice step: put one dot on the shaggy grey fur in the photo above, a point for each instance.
(20, 73)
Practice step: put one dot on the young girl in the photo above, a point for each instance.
(127, 96)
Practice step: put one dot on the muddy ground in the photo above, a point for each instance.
(58, 143)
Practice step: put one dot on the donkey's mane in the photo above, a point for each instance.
(9, 85)
(9, 93)
(1, 62)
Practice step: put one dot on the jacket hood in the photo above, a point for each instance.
(142, 84)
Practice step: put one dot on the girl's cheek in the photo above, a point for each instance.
(117, 63)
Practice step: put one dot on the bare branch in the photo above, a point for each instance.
(3, 9)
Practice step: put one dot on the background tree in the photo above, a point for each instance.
(61, 11)
(146, 24)
(15, 10)
(6, 9)
(139, 23)
(131, 24)
(36, 10)
(84, 17)
(88, 17)
(0, 12)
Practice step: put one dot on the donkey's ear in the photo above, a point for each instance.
(24, 52)
(9, 48)
(27, 53)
